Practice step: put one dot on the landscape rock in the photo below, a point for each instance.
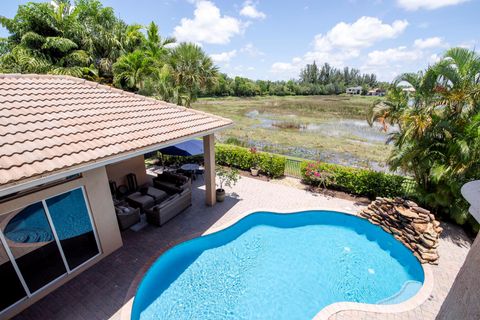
(406, 213)
(410, 224)
(420, 210)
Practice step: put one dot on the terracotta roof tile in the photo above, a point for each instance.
(49, 124)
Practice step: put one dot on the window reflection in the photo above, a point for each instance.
(11, 289)
(73, 226)
(31, 241)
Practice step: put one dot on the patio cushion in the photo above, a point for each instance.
(157, 194)
(171, 183)
(137, 200)
(167, 202)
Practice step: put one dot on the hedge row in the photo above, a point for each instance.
(356, 181)
(241, 158)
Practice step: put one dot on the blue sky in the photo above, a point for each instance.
(275, 39)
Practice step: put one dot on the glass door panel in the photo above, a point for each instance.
(32, 243)
(11, 289)
(73, 226)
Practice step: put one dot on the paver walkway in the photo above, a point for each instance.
(100, 292)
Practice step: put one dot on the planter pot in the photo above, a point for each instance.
(254, 171)
(220, 195)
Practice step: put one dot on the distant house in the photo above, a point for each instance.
(376, 92)
(354, 90)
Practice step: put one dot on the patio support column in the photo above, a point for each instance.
(209, 155)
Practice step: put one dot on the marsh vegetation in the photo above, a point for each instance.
(328, 128)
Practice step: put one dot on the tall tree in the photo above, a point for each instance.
(439, 131)
(131, 70)
(191, 71)
(46, 38)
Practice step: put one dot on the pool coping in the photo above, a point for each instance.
(418, 299)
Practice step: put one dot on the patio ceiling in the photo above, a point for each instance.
(54, 125)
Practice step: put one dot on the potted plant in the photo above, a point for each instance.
(254, 170)
(226, 177)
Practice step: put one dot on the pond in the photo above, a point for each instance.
(355, 131)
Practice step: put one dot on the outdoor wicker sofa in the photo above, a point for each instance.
(169, 208)
(127, 216)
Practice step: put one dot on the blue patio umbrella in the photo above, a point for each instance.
(185, 149)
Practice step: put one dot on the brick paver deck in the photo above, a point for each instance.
(101, 291)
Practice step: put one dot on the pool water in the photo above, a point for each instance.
(279, 266)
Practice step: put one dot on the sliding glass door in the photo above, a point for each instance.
(43, 242)
(11, 290)
(74, 229)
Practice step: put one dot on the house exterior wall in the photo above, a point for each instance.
(95, 183)
(118, 171)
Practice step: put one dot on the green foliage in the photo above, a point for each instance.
(57, 38)
(227, 177)
(88, 40)
(438, 138)
(58, 45)
(238, 157)
(356, 181)
(130, 70)
(312, 81)
(329, 76)
(191, 70)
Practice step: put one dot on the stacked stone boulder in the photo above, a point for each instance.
(414, 226)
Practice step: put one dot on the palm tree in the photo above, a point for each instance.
(191, 70)
(84, 40)
(438, 124)
(130, 70)
(106, 36)
(155, 46)
(45, 38)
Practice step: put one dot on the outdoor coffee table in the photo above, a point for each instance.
(190, 168)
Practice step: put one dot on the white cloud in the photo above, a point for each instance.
(433, 42)
(249, 10)
(467, 44)
(392, 55)
(251, 50)
(427, 4)
(223, 56)
(208, 25)
(361, 34)
(283, 67)
(343, 43)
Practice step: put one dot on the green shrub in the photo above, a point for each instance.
(242, 158)
(356, 181)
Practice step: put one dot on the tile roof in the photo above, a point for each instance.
(50, 124)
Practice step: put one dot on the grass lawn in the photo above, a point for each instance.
(327, 128)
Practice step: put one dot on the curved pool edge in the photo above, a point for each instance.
(418, 299)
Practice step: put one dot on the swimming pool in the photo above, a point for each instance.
(281, 266)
